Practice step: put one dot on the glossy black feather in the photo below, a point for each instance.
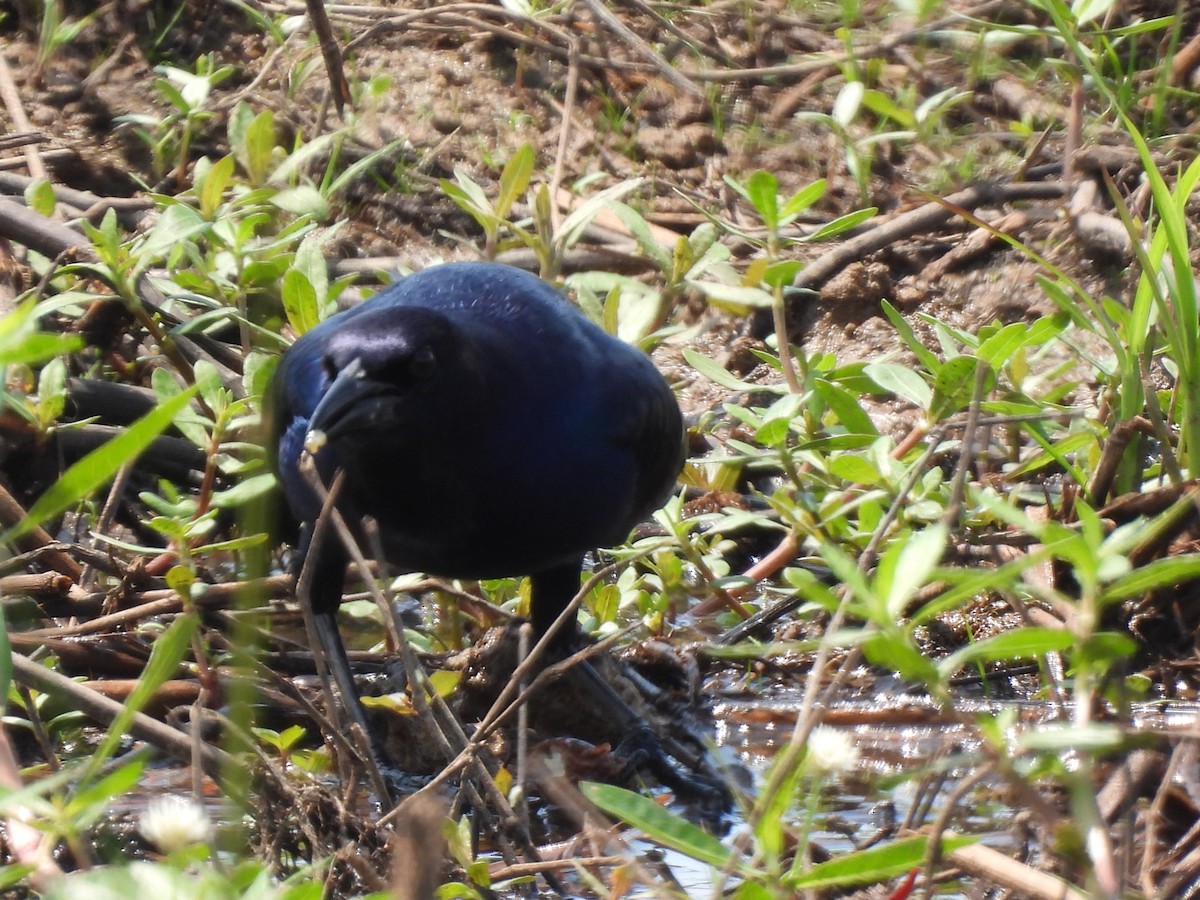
(490, 430)
(488, 427)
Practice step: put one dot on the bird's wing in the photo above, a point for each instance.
(651, 431)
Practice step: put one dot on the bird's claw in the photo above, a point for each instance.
(642, 751)
(400, 784)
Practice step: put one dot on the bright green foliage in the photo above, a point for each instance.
(56, 32)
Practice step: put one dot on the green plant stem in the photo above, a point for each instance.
(812, 801)
(787, 362)
(805, 720)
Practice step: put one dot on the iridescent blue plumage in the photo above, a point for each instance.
(488, 428)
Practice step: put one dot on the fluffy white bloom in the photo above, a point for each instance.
(172, 822)
(831, 752)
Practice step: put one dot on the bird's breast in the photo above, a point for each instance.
(487, 507)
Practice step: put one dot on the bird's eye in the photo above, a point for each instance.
(423, 363)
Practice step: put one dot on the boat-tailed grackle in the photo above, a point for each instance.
(487, 426)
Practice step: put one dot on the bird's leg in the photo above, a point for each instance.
(646, 749)
(552, 592)
(319, 593)
(337, 664)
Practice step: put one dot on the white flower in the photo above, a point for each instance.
(172, 822)
(831, 752)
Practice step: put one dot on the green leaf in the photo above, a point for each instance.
(164, 881)
(99, 466)
(6, 665)
(244, 491)
(735, 295)
(193, 90)
(843, 404)
(363, 169)
(1023, 643)
(514, 179)
(835, 442)
(604, 602)
(90, 802)
(872, 865)
(1095, 737)
(14, 873)
(1056, 452)
(299, 301)
(470, 198)
(701, 240)
(782, 273)
(900, 656)
(237, 129)
(316, 151)
(208, 380)
(847, 103)
(32, 347)
(923, 353)
(842, 223)
(1102, 650)
(967, 584)
(52, 390)
(230, 546)
(885, 107)
(954, 386)
(803, 199)
(769, 824)
(212, 188)
(171, 93)
(845, 568)
(902, 382)
(610, 315)
(257, 369)
(177, 224)
(39, 196)
(1161, 573)
(762, 190)
(752, 890)
(180, 579)
(573, 225)
(854, 469)
(311, 261)
(660, 825)
(916, 559)
(444, 681)
(302, 200)
(716, 373)
(1086, 10)
(191, 425)
(258, 147)
(773, 433)
(168, 652)
(1000, 347)
(640, 229)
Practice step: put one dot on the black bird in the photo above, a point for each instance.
(487, 426)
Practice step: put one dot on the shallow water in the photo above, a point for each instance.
(901, 741)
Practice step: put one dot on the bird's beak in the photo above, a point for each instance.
(354, 402)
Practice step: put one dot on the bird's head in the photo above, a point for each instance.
(384, 368)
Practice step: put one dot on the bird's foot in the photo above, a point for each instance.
(642, 751)
(388, 779)
(400, 784)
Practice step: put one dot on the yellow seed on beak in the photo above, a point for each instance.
(315, 440)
